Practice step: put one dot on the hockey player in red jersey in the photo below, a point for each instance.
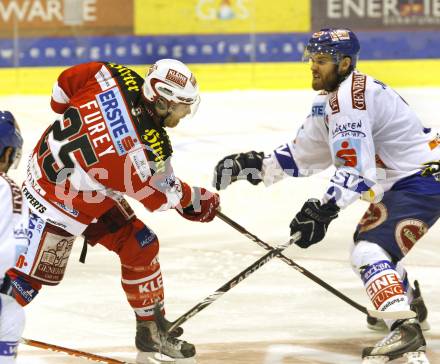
(111, 142)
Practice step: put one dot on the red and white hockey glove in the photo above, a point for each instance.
(203, 206)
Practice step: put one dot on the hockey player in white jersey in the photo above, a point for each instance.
(13, 236)
(377, 145)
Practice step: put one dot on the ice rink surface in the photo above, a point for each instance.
(276, 315)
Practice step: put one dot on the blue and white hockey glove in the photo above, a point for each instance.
(312, 221)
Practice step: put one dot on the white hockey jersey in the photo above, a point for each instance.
(367, 131)
(13, 224)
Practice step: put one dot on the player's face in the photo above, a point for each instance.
(324, 72)
(5, 159)
(176, 112)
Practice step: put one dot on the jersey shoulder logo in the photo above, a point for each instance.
(334, 103)
(358, 91)
(127, 77)
(17, 200)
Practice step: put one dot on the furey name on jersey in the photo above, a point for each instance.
(109, 124)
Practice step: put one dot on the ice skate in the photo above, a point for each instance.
(417, 305)
(405, 340)
(154, 348)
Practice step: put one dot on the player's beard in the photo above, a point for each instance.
(170, 121)
(328, 82)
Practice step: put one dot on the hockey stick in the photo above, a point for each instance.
(373, 313)
(72, 352)
(166, 327)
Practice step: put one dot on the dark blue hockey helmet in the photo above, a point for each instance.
(10, 136)
(338, 43)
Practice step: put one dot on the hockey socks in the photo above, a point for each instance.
(143, 287)
(384, 287)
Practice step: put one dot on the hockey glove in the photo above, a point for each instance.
(238, 166)
(312, 221)
(203, 207)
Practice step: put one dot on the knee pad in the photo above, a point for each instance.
(11, 320)
(364, 253)
(140, 246)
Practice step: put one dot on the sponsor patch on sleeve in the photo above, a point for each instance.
(118, 120)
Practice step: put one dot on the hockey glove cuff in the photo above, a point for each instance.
(203, 207)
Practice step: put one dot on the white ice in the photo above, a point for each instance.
(274, 316)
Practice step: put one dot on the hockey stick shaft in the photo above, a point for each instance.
(225, 288)
(310, 275)
(72, 352)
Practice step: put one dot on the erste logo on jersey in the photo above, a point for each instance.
(118, 121)
(347, 153)
(318, 109)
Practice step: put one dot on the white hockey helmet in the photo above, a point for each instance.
(172, 80)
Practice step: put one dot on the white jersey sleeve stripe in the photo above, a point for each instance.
(58, 94)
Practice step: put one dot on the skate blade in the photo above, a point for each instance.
(375, 360)
(157, 358)
(380, 326)
(417, 357)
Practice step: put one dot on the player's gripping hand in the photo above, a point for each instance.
(238, 166)
(203, 207)
(312, 221)
(431, 169)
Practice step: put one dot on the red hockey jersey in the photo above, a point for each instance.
(109, 143)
